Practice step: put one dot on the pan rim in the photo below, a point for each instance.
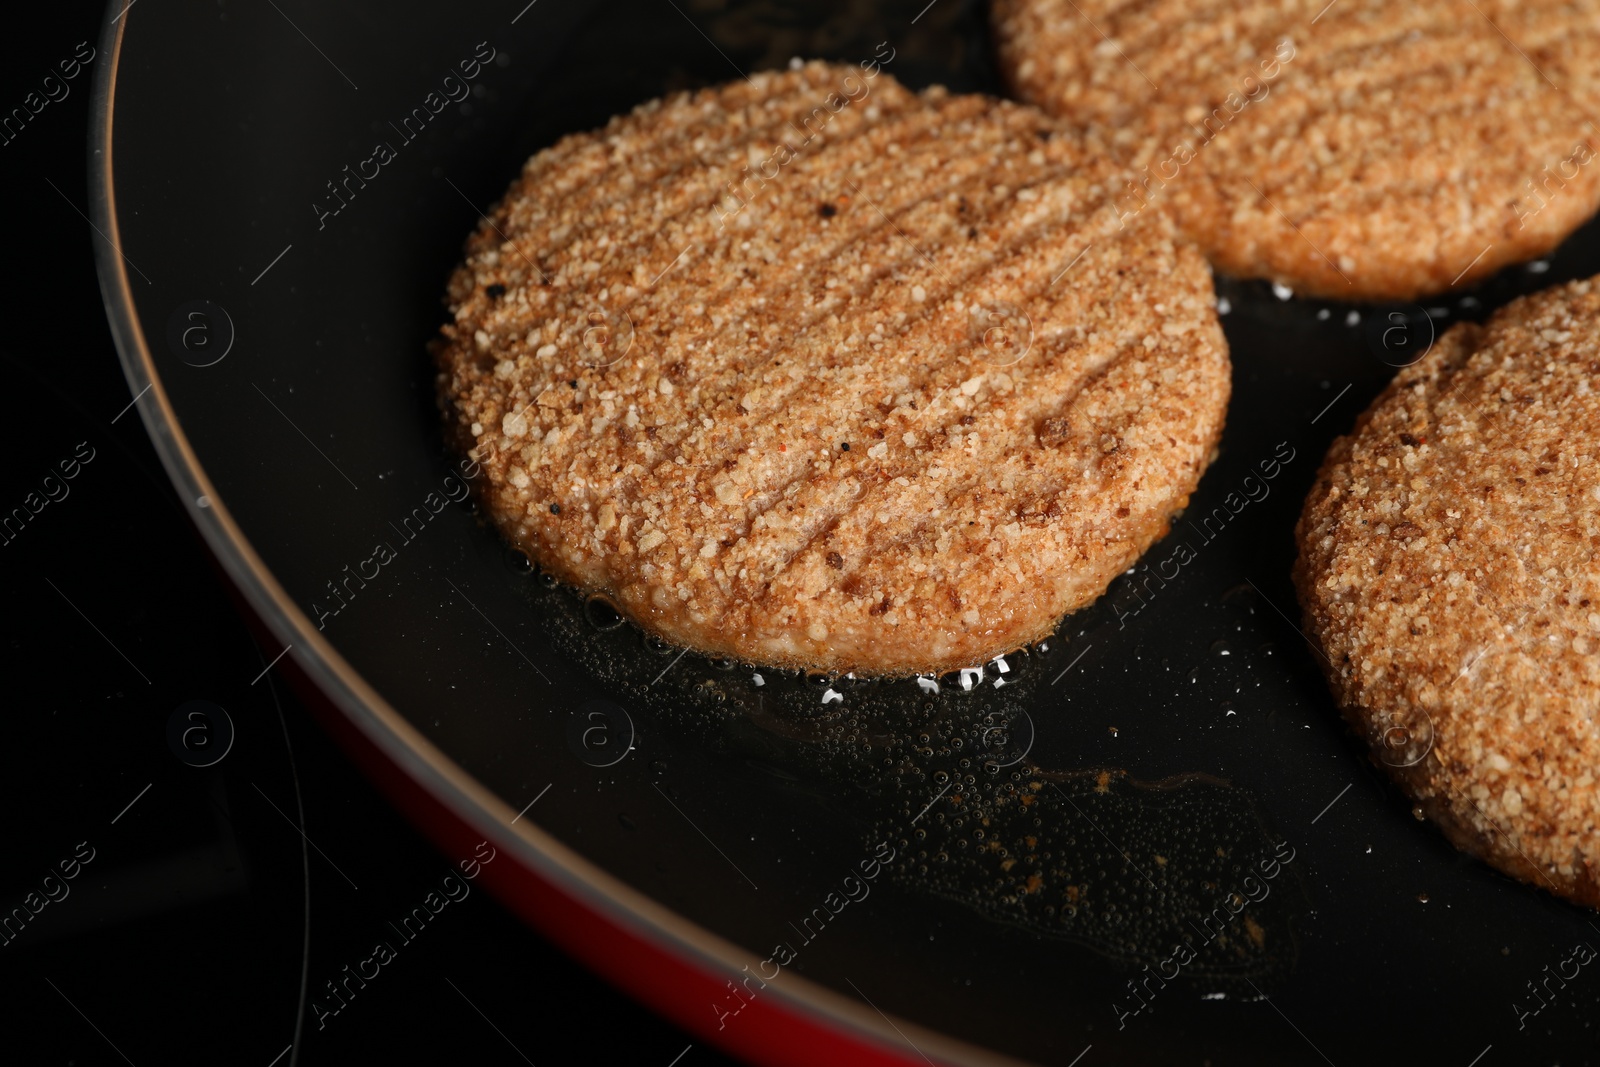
(590, 887)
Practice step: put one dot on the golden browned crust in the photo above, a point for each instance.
(1448, 568)
(1359, 150)
(860, 424)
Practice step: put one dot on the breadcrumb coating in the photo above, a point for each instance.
(1448, 568)
(814, 371)
(1355, 150)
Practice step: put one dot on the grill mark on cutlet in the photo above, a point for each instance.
(693, 190)
(980, 473)
(894, 250)
(730, 295)
(610, 184)
(1147, 37)
(914, 463)
(1011, 251)
(630, 374)
(701, 190)
(1489, 530)
(854, 241)
(1043, 393)
(1432, 86)
(664, 478)
(729, 393)
(934, 374)
(918, 327)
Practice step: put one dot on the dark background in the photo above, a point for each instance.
(189, 935)
(205, 913)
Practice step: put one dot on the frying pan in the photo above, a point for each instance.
(1147, 839)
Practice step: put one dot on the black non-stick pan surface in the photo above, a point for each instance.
(1149, 839)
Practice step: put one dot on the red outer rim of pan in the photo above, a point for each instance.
(653, 954)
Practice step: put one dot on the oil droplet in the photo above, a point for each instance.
(1422, 898)
(656, 645)
(601, 613)
(963, 681)
(1242, 595)
(1416, 813)
(518, 561)
(1221, 647)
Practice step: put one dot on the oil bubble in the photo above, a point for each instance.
(602, 613)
